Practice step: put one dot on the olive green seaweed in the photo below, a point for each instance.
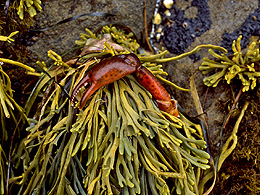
(239, 66)
(243, 67)
(2, 170)
(228, 147)
(119, 36)
(119, 142)
(6, 93)
(8, 108)
(29, 6)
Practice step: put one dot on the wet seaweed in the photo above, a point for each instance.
(243, 68)
(8, 110)
(239, 66)
(119, 143)
(30, 6)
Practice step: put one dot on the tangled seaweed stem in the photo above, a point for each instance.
(8, 61)
(151, 58)
(195, 50)
(226, 150)
(171, 84)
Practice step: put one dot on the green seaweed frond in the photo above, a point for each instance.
(84, 37)
(2, 170)
(28, 6)
(57, 58)
(128, 41)
(119, 36)
(8, 38)
(124, 143)
(246, 67)
(7, 102)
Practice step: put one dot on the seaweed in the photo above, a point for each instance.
(241, 69)
(8, 108)
(239, 66)
(119, 143)
(29, 6)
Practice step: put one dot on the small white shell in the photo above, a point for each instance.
(158, 36)
(167, 12)
(168, 3)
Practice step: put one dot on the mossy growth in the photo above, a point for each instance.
(243, 178)
(11, 21)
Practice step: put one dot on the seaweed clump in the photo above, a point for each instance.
(29, 6)
(119, 143)
(8, 116)
(241, 147)
(246, 67)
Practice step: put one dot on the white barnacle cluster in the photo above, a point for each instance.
(158, 33)
(168, 3)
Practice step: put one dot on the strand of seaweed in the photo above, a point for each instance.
(8, 117)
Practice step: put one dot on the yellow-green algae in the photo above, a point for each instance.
(7, 110)
(29, 6)
(119, 142)
(243, 67)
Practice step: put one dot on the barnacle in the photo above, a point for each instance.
(29, 6)
(243, 67)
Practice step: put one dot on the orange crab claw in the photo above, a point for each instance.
(90, 90)
(107, 71)
(168, 106)
(84, 82)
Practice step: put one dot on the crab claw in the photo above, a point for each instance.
(105, 72)
(92, 88)
(89, 91)
(84, 82)
(168, 106)
(175, 110)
